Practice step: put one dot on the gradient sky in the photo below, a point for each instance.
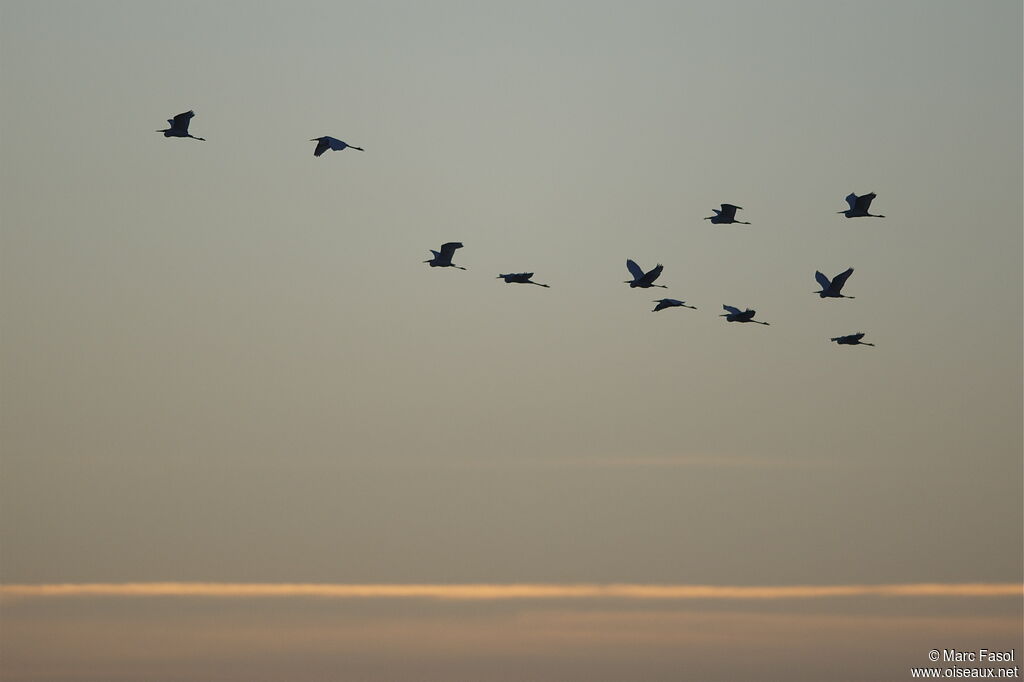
(225, 361)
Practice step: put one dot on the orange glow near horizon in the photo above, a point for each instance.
(506, 591)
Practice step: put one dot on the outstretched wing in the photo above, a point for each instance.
(731, 310)
(864, 201)
(729, 211)
(839, 280)
(634, 269)
(181, 121)
(822, 279)
(851, 199)
(653, 274)
(322, 145)
(448, 249)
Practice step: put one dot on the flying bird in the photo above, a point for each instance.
(859, 206)
(179, 126)
(324, 143)
(736, 315)
(670, 303)
(642, 279)
(833, 288)
(852, 340)
(726, 216)
(443, 258)
(520, 278)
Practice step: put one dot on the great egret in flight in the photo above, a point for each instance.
(642, 279)
(324, 143)
(179, 126)
(736, 315)
(670, 303)
(726, 216)
(833, 288)
(520, 278)
(852, 340)
(443, 258)
(859, 206)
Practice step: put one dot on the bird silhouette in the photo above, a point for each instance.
(833, 288)
(736, 315)
(179, 126)
(852, 340)
(520, 278)
(326, 142)
(642, 279)
(670, 303)
(443, 258)
(726, 216)
(859, 206)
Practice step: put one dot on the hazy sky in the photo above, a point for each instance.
(225, 360)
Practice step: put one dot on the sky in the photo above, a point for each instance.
(225, 362)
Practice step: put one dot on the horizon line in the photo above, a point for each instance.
(505, 591)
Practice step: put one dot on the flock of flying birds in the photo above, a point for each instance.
(830, 288)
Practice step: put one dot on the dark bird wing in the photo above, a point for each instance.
(839, 280)
(851, 199)
(653, 274)
(822, 279)
(448, 249)
(322, 145)
(864, 202)
(731, 310)
(180, 121)
(729, 211)
(634, 269)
